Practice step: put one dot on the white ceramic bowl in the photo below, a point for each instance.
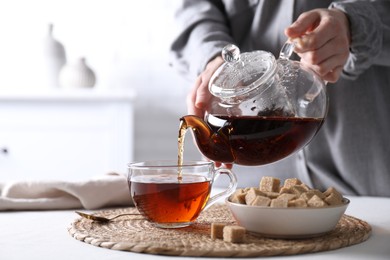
(287, 222)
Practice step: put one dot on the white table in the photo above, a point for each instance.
(44, 235)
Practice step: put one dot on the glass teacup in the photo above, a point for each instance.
(172, 196)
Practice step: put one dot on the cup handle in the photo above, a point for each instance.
(229, 191)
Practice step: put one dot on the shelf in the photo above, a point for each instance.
(68, 95)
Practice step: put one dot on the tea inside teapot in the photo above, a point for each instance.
(247, 140)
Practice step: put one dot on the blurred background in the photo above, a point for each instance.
(124, 45)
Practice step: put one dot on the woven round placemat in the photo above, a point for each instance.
(135, 234)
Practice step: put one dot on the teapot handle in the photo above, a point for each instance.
(287, 50)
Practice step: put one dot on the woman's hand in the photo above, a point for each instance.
(322, 38)
(199, 96)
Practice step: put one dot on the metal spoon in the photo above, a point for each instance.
(104, 219)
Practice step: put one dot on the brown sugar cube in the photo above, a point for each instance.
(233, 234)
(318, 193)
(297, 203)
(261, 201)
(332, 190)
(309, 194)
(306, 196)
(304, 186)
(298, 189)
(241, 198)
(317, 202)
(269, 184)
(333, 199)
(285, 190)
(217, 230)
(238, 196)
(291, 182)
(272, 195)
(252, 194)
(279, 203)
(247, 189)
(287, 196)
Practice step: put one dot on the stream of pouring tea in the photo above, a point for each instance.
(180, 154)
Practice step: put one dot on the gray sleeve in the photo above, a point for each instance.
(203, 32)
(370, 34)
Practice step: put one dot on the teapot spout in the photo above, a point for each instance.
(214, 145)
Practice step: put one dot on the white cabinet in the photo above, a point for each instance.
(65, 135)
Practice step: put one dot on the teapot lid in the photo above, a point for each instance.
(241, 73)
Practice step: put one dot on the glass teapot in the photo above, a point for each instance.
(262, 109)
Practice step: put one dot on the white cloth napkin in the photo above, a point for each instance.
(102, 191)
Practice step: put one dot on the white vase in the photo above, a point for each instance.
(77, 75)
(54, 58)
